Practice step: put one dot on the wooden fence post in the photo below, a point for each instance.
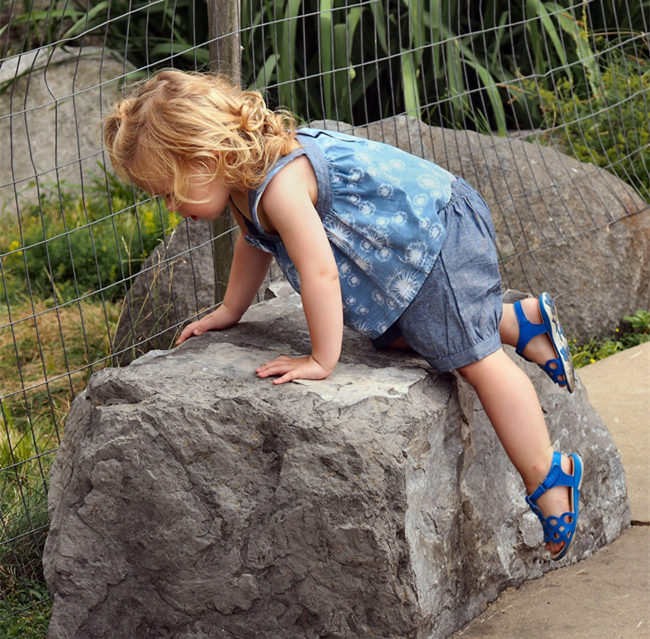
(225, 57)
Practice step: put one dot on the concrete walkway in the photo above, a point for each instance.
(608, 595)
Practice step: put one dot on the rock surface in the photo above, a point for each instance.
(190, 499)
(563, 226)
(49, 112)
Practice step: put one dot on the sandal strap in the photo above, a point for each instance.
(556, 477)
(527, 330)
(555, 372)
(563, 528)
(560, 531)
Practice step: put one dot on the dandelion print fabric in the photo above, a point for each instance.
(379, 207)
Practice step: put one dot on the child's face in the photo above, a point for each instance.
(216, 194)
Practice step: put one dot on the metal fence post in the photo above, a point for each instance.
(224, 18)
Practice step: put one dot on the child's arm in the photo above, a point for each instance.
(288, 206)
(248, 270)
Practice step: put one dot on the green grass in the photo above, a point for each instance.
(25, 605)
(35, 605)
(31, 423)
(363, 61)
(68, 245)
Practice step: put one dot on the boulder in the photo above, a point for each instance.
(563, 226)
(190, 499)
(51, 101)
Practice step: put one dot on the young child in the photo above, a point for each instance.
(391, 245)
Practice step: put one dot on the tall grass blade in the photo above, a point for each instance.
(417, 33)
(410, 85)
(265, 74)
(493, 94)
(78, 26)
(455, 77)
(377, 9)
(287, 53)
(326, 66)
(535, 41)
(580, 35)
(343, 39)
(499, 32)
(180, 48)
(432, 21)
(341, 76)
(547, 21)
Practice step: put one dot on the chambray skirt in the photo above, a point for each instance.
(454, 318)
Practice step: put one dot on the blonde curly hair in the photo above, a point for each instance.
(181, 125)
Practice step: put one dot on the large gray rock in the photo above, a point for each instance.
(190, 499)
(563, 226)
(50, 105)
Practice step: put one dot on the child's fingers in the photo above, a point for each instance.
(279, 366)
(188, 331)
(273, 368)
(281, 361)
(287, 377)
(290, 368)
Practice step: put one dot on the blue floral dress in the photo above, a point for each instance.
(379, 207)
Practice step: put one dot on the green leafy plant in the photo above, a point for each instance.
(360, 62)
(68, 246)
(607, 124)
(594, 350)
(640, 329)
(22, 537)
(23, 497)
(640, 322)
(625, 337)
(35, 606)
(420, 54)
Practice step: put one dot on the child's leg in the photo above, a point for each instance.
(510, 402)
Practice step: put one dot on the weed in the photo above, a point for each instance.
(33, 603)
(625, 337)
(640, 322)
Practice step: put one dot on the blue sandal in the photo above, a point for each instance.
(562, 365)
(560, 529)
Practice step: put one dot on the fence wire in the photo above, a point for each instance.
(94, 272)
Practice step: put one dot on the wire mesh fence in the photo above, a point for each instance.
(94, 272)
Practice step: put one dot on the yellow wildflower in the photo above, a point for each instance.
(14, 245)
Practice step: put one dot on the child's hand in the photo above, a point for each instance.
(292, 368)
(221, 318)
